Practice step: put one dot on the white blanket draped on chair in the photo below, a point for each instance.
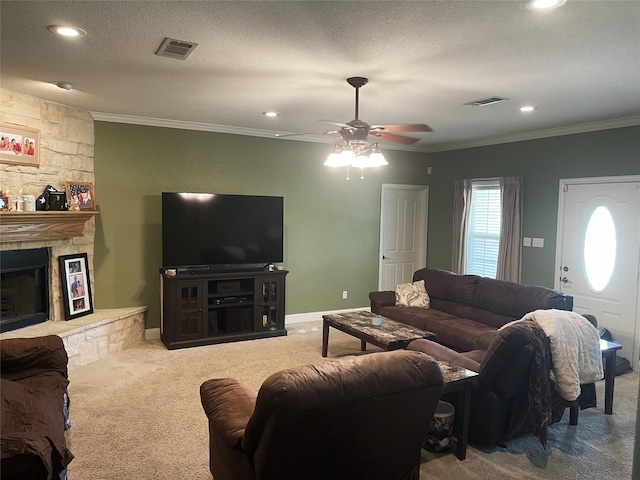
(575, 349)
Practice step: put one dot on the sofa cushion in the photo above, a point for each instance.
(512, 301)
(455, 332)
(412, 295)
(447, 285)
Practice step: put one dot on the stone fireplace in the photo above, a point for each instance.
(66, 155)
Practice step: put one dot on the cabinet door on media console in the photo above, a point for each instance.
(270, 297)
(188, 310)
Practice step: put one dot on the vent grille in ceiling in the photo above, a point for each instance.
(486, 101)
(175, 48)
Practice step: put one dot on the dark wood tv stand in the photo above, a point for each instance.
(207, 307)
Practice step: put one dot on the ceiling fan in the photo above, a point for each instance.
(356, 132)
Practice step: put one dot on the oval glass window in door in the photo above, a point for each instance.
(599, 248)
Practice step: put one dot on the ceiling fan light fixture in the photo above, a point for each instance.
(347, 157)
(362, 161)
(340, 158)
(334, 160)
(377, 159)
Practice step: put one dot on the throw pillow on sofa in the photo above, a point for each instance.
(412, 295)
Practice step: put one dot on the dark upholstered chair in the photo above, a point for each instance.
(500, 393)
(358, 417)
(504, 400)
(33, 388)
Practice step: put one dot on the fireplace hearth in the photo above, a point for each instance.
(24, 288)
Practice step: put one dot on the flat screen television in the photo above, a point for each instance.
(221, 231)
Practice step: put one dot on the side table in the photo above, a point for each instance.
(458, 379)
(609, 353)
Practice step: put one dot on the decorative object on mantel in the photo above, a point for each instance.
(80, 196)
(4, 201)
(19, 145)
(353, 150)
(76, 286)
(51, 199)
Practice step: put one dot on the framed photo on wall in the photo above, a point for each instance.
(19, 145)
(76, 286)
(80, 196)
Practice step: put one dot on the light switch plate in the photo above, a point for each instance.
(526, 241)
(537, 242)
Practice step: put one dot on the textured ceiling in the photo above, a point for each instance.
(578, 64)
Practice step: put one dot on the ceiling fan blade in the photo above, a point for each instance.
(323, 132)
(407, 127)
(392, 137)
(332, 122)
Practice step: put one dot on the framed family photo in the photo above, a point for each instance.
(76, 286)
(80, 196)
(19, 145)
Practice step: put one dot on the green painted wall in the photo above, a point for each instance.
(543, 163)
(331, 225)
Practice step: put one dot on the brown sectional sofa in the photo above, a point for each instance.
(466, 307)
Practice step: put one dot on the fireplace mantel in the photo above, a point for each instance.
(24, 226)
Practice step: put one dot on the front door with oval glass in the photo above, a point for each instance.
(598, 253)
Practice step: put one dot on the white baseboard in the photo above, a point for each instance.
(154, 333)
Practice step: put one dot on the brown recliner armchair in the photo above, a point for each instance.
(513, 393)
(500, 400)
(33, 391)
(361, 417)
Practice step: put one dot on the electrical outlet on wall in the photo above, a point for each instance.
(344, 294)
(526, 241)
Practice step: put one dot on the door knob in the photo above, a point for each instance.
(385, 257)
(565, 280)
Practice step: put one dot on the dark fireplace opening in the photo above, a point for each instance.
(24, 288)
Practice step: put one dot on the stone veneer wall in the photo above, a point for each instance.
(66, 154)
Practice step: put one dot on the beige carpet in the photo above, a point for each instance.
(137, 415)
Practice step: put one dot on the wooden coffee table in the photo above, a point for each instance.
(390, 335)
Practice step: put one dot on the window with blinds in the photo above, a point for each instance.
(483, 229)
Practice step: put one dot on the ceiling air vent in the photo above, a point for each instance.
(486, 101)
(175, 48)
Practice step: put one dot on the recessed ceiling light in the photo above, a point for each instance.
(527, 108)
(270, 114)
(545, 4)
(67, 31)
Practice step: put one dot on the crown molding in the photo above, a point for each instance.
(254, 132)
(180, 124)
(537, 134)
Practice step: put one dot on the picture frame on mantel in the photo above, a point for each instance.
(80, 196)
(19, 145)
(76, 285)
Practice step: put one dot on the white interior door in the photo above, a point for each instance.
(403, 233)
(598, 251)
